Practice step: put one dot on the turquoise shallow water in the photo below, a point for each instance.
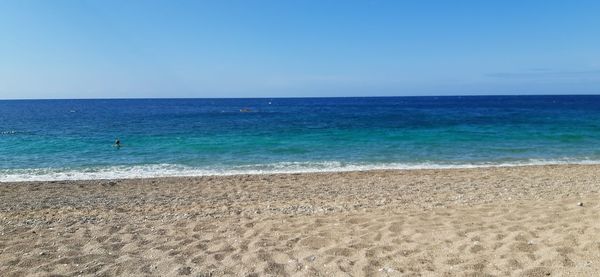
(72, 139)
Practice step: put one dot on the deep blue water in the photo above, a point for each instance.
(72, 139)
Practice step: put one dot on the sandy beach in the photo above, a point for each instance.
(508, 221)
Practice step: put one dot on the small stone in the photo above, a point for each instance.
(580, 204)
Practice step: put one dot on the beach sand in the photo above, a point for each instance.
(507, 221)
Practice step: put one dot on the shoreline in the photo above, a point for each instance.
(349, 169)
(503, 221)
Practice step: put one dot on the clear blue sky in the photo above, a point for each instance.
(221, 48)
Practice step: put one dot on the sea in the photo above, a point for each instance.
(43, 140)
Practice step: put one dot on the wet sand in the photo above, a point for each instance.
(510, 221)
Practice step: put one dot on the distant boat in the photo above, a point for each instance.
(245, 110)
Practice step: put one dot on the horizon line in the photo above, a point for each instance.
(297, 97)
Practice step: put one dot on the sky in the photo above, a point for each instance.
(285, 48)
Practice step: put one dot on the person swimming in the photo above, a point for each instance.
(117, 143)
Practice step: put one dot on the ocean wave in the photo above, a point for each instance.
(9, 132)
(173, 170)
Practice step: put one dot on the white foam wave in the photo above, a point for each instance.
(171, 170)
